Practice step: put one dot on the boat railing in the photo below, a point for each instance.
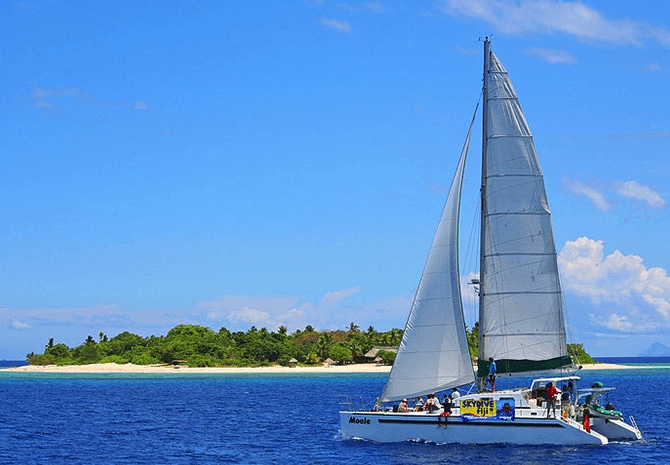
(633, 423)
(352, 404)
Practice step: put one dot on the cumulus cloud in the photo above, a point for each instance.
(336, 24)
(274, 311)
(334, 310)
(250, 315)
(257, 310)
(598, 193)
(629, 297)
(572, 18)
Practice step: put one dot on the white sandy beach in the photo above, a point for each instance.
(130, 368)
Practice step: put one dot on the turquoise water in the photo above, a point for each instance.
(264, 419)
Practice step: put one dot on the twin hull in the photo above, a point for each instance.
(399, 427)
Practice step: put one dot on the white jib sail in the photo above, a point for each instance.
(521, 316)
(433, 354)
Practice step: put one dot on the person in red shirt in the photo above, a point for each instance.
(550, 394)
(587, 421)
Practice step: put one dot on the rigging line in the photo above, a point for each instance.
(470, 252)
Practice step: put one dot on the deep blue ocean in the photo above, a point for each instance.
(179, 418)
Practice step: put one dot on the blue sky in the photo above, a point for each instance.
(285, 163)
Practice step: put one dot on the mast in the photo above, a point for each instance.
(482, 275)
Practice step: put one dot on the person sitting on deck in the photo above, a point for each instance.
(402, 407)
(433, 404)
(447, 411)
(448, 404)
(419, 404)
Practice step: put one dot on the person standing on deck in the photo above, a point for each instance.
(493, 370)
(550, 393)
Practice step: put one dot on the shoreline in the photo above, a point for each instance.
(160, 369)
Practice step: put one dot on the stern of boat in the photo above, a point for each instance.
(616, 429)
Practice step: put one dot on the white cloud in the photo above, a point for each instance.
(628, 296)
(45, 93)
(84, 316)
(614, 322)
(43, 98)
(250, 315)
(634, 190)
(627, 189)
(32, 327)
(572, 18)
(16, 324)
(290, 311)
(336, 24)
(139, 105)
(552, 56)
(376, 7)
(336, 297)
(580, 189)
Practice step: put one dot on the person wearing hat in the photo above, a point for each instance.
(402, 408)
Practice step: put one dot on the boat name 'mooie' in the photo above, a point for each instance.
(361, 421)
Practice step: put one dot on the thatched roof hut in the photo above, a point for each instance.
(372, 353)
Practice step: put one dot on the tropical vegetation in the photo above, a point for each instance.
(200, 346)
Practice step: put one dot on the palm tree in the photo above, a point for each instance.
(356, 348)
(395, 336)
(322, 347)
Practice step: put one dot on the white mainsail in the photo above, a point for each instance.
(433, 354)
(521, 318)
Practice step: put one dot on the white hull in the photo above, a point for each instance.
(615, 429)
(399, 427)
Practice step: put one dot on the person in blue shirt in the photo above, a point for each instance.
(493, 370)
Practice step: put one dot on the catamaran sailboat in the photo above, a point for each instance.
(520, 311)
